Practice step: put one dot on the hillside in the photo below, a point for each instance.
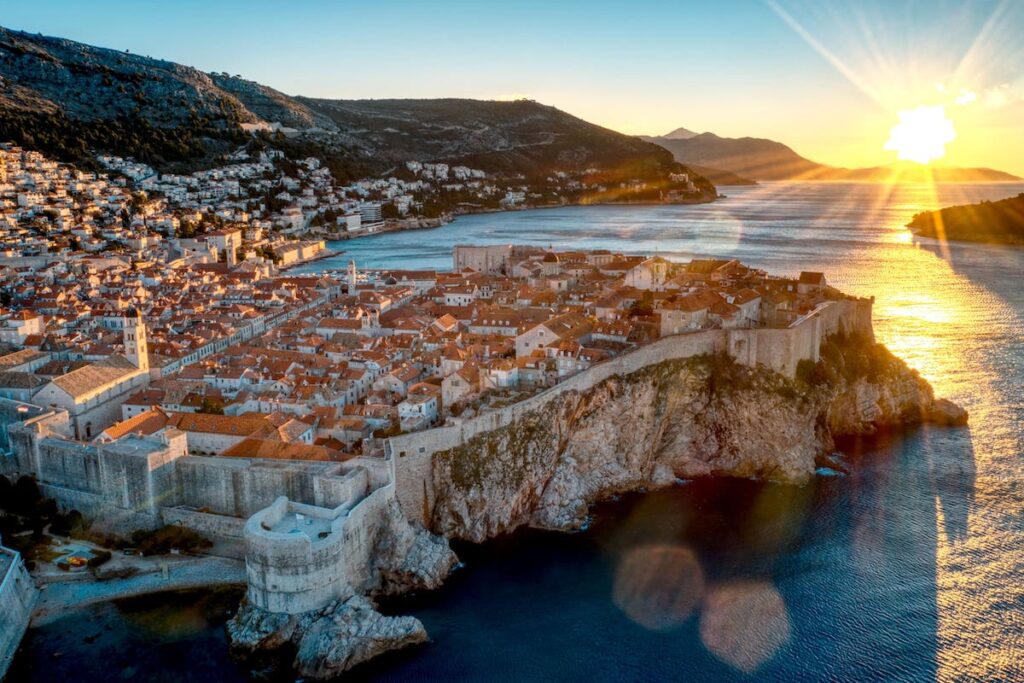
(754, 158)
(763, 159)
(521, 136)
(70, 100)
(1000, 222)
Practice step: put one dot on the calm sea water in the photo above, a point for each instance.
(911, 568)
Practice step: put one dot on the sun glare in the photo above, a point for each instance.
(921, 134)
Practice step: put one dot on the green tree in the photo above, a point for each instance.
(211, 407)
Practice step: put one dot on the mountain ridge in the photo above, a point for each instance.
(764, 159)
(71, 100)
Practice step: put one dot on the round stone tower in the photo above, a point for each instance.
(293, 557)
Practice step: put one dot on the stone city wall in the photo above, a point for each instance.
(17, 598)
(239, 487)
(141, 483)
(294, 572)
(205, 523)
(777, 349)
(365, 522)
(12, 412)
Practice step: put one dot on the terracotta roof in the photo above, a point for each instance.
(20, 357)
(146, 423)
(248, 424)
(278, 450)
(19, 380)
(812, 278)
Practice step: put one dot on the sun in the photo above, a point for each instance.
(921, 134)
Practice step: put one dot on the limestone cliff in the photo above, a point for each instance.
(407, 558)
(678, 419)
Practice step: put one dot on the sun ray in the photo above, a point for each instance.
(827, 54)
(986, 39)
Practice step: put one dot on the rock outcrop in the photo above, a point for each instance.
(678, 419)
(408, 558)
(319, 645)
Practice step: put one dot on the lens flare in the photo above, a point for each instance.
(658, 586)
(921, 134)
(744, 623)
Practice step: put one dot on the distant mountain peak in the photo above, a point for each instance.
(764, 159)
(680, 134)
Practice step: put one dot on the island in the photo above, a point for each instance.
(1000, 222)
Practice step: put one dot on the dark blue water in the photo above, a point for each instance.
(909, 569)
(161, 638)
(725, 578)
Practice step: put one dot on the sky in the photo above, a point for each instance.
(827, 77)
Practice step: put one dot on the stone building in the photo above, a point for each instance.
(294, 557)
(92, 395)
(492, 258)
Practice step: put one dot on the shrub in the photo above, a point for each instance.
(726, 375)
(814, 374)
(25, 498)
(167, 538)
(100, 558)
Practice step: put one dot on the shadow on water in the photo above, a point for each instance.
(164, 637)
(717, 580)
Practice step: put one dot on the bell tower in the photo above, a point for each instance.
(353, 277)
(135, 347)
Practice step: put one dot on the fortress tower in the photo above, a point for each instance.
(135, 348)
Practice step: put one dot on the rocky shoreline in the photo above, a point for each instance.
(698, 417)
(319, 645)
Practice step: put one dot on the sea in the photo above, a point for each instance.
(908, 567)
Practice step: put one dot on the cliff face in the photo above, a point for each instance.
(679, 419)
(407, 558)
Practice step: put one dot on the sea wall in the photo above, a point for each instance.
(368, 524)
(413, 453)
(17, 598)
(298, 571)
